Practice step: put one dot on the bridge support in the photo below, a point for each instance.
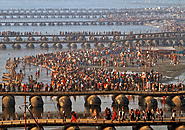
(64, 101)
(120, 101)
(178, 101)
(71, 128)
(142, 128)
(36, 101)
(173, 127)
(8, 101)
(149, 102)
(92, 100)
(106, 128)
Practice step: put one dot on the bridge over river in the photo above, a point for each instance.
(140, 93)
(89, 122)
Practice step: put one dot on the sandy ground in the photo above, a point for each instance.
(169, 71)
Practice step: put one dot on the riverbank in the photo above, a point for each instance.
(168, 70)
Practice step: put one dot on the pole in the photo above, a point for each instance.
(150, 54)
(143, 72)
(178, 46)
(34, 118)
(25, 111)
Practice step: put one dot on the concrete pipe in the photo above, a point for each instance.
(118, 23)
(30, 45)
(142, 128)
(76, 23)
(43, 38)
(109, 128)
(2, 46)
(6, 39)
(59, 24)
(146, 128)
(72, 128)
(37, 111)
(109, 44)
(31, 39)
(36, 128)
(175, 127)
(87, 16)
(93, 23)
(87, 45)
(85, 23)
(182, 42)
(16, 24)
(110, 23)
(51, 24)
(16, 46)
(168, 43)
(93, 100)
(121, 100)
(150, 102)
(114, 44)
(36, 101)
(55, 38)
(9, 112)
(69, 45)
(66, 109)
(8, 101)
(82, 45)
(178, 101)
(182, 127)
(64, 101)
(44, 45)
(127, 43)
(42, 24)
(100, 45)
(142, 42)
(18, 39)
(105, 38)
(34, 24)
(57, 45)
(73, 46)
(68, 23)
(101, 23)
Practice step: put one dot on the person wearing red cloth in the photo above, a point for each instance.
(114, 115)
(73, 119)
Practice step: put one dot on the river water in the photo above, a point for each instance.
(77, 105)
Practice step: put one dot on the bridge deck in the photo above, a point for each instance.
(88, 122)
(141, 93)
(100, 34)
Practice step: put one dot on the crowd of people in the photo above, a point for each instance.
(122, 115)
(81, 70)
